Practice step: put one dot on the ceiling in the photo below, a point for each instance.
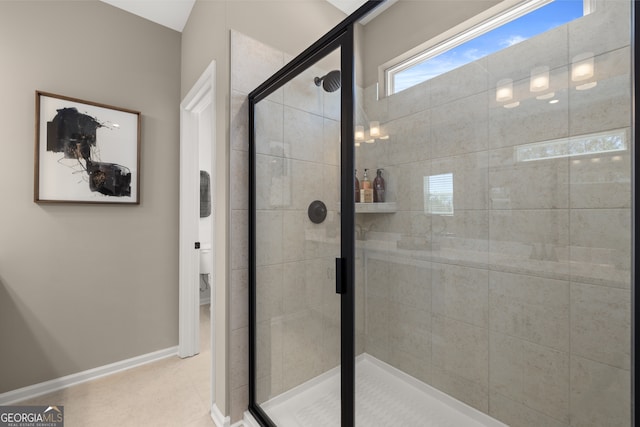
(347, 6)
(174, 13)
(170, 13)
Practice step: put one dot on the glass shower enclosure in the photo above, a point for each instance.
(493, 284)
(301, 243)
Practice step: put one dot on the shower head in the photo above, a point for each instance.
(330, 82)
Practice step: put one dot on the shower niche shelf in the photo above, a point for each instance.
(389, 207)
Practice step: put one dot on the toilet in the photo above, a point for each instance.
(206, 262)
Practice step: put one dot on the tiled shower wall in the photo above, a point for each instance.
(298, 311)
(251, 64)
(518, 303)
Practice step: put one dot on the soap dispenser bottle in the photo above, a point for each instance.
(366, 192)
(378, 187)
(366, 184)
(357, 184)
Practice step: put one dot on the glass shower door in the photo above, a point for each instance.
(297, 232)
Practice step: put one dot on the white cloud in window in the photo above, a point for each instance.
(474, 54)
(511, 40)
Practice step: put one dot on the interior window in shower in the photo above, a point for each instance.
(438, 194)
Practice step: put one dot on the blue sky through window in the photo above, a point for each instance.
(552, 15)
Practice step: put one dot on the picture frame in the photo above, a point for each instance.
(85, 152)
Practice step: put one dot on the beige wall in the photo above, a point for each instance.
(289, 26)
(84, 286)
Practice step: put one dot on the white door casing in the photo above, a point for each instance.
(193, 111)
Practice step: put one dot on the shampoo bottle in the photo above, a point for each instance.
(366, 192)
(357, 184)
(378, 187)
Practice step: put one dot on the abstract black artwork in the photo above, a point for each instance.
(85, 152)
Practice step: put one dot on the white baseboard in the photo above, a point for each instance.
(218, 419)
(39, 389)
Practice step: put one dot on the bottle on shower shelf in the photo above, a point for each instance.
(378, 187)
(366, 192)
(357, 183)
(366, 184)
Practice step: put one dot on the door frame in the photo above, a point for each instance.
(200, 97)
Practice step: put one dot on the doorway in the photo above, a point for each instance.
(197, 217)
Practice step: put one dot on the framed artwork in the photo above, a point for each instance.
(85, 152)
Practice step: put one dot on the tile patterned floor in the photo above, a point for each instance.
(171, 392)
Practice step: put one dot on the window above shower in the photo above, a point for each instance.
(508, 23)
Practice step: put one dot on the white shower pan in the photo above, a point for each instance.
(385, 396)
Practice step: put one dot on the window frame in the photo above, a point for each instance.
(480, 24)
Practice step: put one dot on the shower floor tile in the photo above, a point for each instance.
(385, 397)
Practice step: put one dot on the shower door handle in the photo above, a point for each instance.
(340, 275)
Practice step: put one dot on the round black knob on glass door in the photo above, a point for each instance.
(317, 211)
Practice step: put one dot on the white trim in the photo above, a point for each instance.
(218, 419)
(39, 389)
(201, 95)
(589, 6)
(188, 324)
